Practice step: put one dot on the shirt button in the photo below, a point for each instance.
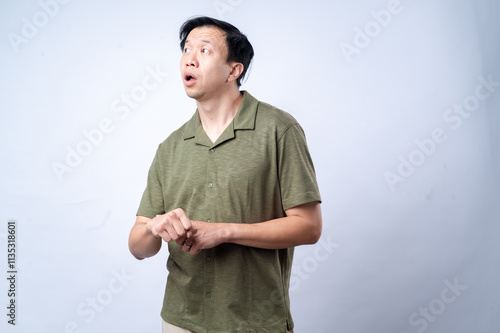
(209, 259)
(210, 185)
(208, 295)
(209, 220)
(212, 150)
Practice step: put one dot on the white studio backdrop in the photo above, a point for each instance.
(400, 104)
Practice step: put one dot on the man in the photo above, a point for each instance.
(232, 192)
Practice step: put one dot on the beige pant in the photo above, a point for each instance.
(169, 328)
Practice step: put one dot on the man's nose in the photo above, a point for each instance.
(191, 60)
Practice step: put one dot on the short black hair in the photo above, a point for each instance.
(239, 48)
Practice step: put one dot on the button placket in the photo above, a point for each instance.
(211, 173)
(211, 197)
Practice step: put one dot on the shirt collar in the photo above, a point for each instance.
(244, 120)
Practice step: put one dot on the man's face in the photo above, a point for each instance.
(204, 66)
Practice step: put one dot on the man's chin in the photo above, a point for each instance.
(193, 94)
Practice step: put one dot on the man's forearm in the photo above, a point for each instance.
(142, 244)
(302, 226)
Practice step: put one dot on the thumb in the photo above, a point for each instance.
(190, 233)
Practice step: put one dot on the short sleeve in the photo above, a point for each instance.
(297, 176)
(152, 199)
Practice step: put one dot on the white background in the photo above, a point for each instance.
(369, 86)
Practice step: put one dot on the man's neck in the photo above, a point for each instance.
(217, 113)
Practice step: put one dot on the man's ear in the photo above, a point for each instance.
(236, 70)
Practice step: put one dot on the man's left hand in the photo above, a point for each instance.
(207, 236)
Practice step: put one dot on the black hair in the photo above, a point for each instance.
(239, 48)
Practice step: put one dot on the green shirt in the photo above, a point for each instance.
(258, 168)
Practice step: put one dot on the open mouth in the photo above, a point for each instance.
(189, 78)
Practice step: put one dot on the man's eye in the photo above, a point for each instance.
(186, 50)
(204, 51)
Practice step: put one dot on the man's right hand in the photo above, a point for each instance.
(172, 226)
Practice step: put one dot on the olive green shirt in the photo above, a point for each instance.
(258, 168)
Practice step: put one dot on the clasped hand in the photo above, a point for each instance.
(192, 236)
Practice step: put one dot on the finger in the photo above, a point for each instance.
(186, 247)
(194, 250)
(165, 236)
(161, 232)
(181, 241)
(170, 230)
(174, 227)
(191, 233)
(165, 228)
(181, 215)
(178, 227)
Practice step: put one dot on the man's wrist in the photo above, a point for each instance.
(149, 226)
(227, 232)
